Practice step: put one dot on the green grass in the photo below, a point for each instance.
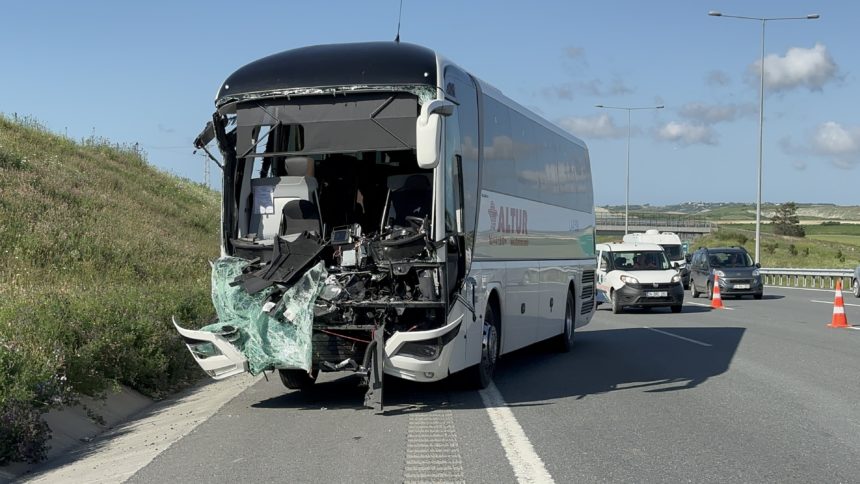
(97, 250)
(776, 251)
(853, 240)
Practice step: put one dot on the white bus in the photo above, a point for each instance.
(453, 224)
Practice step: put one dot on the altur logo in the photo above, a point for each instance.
(508, 220)
(493, 214)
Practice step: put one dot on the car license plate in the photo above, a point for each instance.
(742, 286)
(656, 294)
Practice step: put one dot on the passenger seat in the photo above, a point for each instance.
(299, 184)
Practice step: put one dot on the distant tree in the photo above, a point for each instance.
(786, 222)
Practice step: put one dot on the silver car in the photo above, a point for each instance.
(855, 282)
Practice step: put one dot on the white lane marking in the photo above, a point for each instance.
(527, 465)
(118, 454)
(678, 336)
(831, 302)
(854, 327)
(707, 305)
(432, 452)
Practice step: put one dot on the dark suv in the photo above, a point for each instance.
(738, 275)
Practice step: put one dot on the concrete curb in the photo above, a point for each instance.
(85, 452)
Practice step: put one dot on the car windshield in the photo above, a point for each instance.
(673, 252)
(729, 259)
(640, 260)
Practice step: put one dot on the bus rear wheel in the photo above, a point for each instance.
(481, 375)
(564, 341)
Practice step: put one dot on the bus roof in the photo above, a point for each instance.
(319, 66)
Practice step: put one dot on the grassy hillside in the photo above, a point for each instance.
(778, 251)
(97, 250)
(743, 211)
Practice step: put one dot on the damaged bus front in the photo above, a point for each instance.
(337, 254)
(386, 212)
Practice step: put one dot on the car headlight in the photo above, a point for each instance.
(756, 273)
(719, 273)
(629, 279)
(676, 279)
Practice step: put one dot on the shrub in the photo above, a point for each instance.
(23, 433)
(792, 249)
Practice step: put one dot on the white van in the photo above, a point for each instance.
(638, 274)
(671, 244)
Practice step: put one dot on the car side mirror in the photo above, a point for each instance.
(676, 266)
(428, 132)
(758, 265)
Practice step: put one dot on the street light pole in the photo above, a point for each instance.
(627, 189)
(763, 21)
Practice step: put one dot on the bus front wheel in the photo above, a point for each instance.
(298, 379)
(481, 375)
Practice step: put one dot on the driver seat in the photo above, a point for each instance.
(408, 195)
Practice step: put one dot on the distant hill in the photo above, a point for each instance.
(97, 250)
(724, 211)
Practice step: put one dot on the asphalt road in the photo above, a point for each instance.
(761, 392)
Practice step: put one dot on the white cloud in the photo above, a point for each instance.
(600, 126)
(597, 87)
(715, 113)
(839, 143)
(563, 91)
(717, 78)
(799, 67)
(687, 133)
(574, 52)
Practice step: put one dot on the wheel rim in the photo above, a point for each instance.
(489, 348)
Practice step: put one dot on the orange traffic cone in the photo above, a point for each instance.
(839, 318)
(716, 299)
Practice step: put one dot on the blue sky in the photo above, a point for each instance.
(147, 72)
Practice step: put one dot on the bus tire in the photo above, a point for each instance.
(481, 375)
(298, 379)
(564, 341)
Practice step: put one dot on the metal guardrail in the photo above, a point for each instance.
(820, 278)
(653, 221)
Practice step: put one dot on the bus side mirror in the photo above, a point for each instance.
(428, 132)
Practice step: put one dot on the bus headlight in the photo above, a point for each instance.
(427, 350)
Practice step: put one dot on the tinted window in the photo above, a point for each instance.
(673, 252)
(498, 171)
(729, 259)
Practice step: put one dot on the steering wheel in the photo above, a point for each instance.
(416, 222)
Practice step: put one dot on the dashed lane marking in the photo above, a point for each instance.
(690, 340)
(706, 305)
(432, 452)
(527, 465)
(831, 302)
